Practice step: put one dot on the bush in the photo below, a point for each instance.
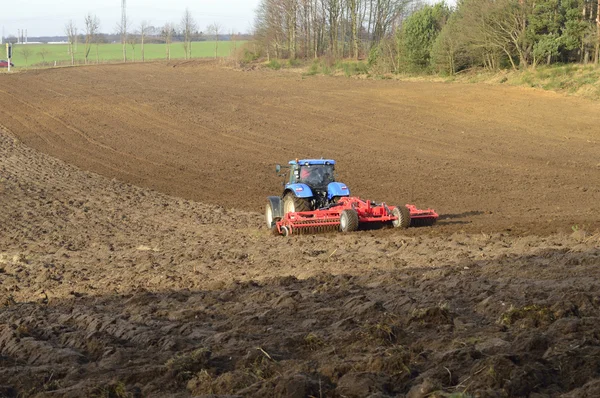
(329, 67)
(249, 56)
(274, 64)
(294, 63)
(354, 68)
(374, 56)
(314, 68)
(246, 54)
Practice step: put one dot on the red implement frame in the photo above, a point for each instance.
(328, 219)
(416, 214)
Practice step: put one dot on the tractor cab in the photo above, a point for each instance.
(314, 173)
(311, 185)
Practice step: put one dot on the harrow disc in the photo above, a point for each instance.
(310, 230)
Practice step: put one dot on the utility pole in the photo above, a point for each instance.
(9, 54)
(598, 34)
(124, 28)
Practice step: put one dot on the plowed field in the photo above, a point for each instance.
(134, 261)
(489, 158)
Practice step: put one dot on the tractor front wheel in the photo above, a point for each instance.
(294, 204)
(349, 220)
(403, 217)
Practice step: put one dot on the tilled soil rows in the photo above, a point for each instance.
(489, 158)
(114, 289)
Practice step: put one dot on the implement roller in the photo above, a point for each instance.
(314, 202)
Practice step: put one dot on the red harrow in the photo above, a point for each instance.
(348, 213)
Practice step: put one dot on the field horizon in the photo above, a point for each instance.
(112, 52)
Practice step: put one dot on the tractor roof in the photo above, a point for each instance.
(310, 162)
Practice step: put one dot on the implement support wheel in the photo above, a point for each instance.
(403, 215)
(349, 220)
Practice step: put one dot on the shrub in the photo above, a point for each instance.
(274, 64)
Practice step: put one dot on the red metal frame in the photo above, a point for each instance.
(368, 212)
(416, 214)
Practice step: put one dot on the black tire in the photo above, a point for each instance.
(403, 215)
(349, 220)
(270, 220)
(294, 204)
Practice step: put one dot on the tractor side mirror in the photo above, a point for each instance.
(278, 169)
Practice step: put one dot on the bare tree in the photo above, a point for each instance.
(99, 39)
(290, 28)
(43, 53)
(215, 29)
(122, 31)
(132, 40)
(26, 52)
(291, 16)
(188, 28)
(92, 24)
(268, 27)
(71, 32)
(598, 34)
(143, 31)
(233, 38)
(334, 10)
(167, 35)
(353, 7)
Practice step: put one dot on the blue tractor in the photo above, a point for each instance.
(309, 185)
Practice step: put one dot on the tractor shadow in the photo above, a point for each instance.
(454, 219)
(415, 223)
(374, 226)
(444, 219)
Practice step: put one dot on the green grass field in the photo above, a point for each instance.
(47, 54)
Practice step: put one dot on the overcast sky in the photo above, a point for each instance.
(48, 18)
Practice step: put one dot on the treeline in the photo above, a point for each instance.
(313, 28)
(409, 35)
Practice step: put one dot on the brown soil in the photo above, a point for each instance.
(488, 158)
(112, 289)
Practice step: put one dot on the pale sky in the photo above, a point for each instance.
(48, 18)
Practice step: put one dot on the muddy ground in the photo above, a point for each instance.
(154, 289)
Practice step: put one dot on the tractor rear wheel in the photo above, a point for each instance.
(403, 215)
(293, 204)
(349, 220)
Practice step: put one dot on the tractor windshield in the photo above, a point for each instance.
(316, 175)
